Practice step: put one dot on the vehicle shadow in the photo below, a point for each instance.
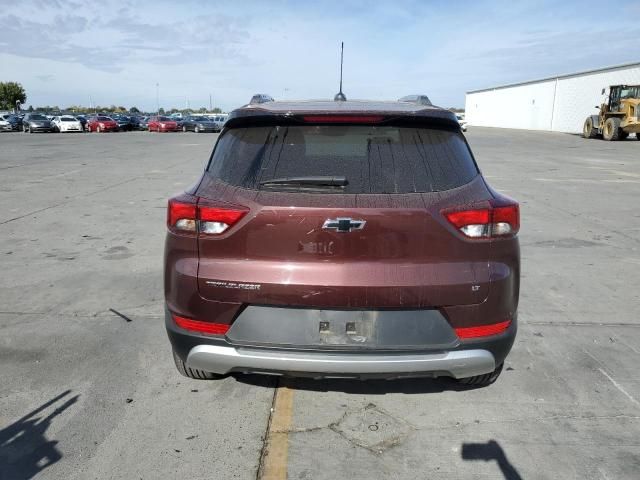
(408, 386)
(490, 451)
(24, 449)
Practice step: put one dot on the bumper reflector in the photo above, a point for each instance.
(200, 327)
(483, 330)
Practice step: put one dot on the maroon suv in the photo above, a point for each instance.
(342, 239)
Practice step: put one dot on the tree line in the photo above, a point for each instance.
(13, 97)
(116, 109)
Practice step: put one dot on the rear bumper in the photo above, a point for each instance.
(228, 359)
(217, 354)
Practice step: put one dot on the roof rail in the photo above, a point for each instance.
(419, 99)
(261, 98)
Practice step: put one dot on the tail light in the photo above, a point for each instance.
(190, 214)
(482, 330)
(200, 326)
(500, 219)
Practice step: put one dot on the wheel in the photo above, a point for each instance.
(184, 128)
(611, 129)
(638, 136)
(193, 372)
(482, 380)
(589, 130)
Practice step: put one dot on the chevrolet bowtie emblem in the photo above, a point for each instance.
(343, 225)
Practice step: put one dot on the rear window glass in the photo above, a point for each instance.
(373, 159)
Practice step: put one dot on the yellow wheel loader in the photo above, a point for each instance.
(619, 115)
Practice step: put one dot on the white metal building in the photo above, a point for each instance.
(559, 104)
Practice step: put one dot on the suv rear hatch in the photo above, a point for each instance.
(340, 216)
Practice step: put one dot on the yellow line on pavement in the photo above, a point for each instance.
(274, 466)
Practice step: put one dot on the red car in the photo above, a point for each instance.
(102, 124)
(162, 124)
(342, 239)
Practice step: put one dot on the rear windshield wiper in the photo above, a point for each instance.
(312, 181)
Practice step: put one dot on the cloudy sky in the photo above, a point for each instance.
(115, 52)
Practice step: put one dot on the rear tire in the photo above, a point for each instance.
(482, 380)
(193, 372)
(611, 129)
(589, 130)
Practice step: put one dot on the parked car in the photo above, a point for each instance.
(462, 122)
(83, 121)
(36, 122)
(220, 121)
(199, 123)
(143, 123)
(124, 123)
(161, 124)
(5, 125)
(342, 239)
(66, 123)
(179, 122)
(101, 123)
(134, 122)
(15, 121)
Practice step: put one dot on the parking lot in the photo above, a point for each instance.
(85, 393)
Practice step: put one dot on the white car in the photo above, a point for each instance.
(67, 123)
(220, 120)
(4, 124)
(462, 122)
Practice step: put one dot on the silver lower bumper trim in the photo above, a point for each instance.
(227, 359)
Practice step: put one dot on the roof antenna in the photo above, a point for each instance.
(340, 97)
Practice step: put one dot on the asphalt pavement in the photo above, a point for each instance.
(87, 383)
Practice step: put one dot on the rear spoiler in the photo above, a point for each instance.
(258, 117)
